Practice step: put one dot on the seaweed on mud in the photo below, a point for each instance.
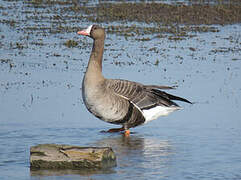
(71, 43)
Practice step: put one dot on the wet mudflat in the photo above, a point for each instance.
(42, 62)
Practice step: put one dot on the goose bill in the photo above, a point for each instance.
(85, 32)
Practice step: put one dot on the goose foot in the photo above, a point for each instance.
(127, 133)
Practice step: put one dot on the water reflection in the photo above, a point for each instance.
(62, 172)
(149, 155)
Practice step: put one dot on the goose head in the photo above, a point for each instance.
(93, 31)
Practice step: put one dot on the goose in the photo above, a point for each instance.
(119, 101)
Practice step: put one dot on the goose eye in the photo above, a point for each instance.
(94, 27)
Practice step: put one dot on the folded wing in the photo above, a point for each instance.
(144, 96)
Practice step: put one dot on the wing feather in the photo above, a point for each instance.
(143, 96)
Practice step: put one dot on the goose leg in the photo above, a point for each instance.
(116, 130)
(127, 133)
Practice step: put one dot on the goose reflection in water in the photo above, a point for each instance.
(149, 155)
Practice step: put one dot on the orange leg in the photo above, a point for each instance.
(116, 130)
(127, 133)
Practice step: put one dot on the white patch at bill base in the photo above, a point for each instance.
(89, 29)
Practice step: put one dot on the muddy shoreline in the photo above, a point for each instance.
(37, 19)
(60, 16)
(192, 13)
(166, 14)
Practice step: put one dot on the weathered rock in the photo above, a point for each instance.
(55, 156)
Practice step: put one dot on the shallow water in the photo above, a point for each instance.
(40, 99)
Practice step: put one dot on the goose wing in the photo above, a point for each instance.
(143, 96)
